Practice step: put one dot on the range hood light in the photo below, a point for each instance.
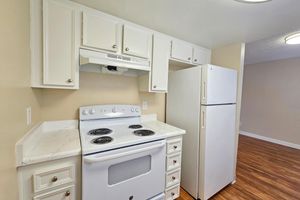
(293, 39)
(253, 1)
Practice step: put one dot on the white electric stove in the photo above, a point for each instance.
(122, 157)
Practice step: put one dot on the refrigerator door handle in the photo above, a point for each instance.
(204, 90)
(203, 119)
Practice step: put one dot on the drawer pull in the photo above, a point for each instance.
(127, 49)
(54, 179)
(172, 193)
(173, 178)
(67, 193)
(174, 161)
(175, 147)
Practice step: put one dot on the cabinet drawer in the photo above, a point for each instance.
(67, 193)
(173, 161)
(50, 178)
(173, 192)
(173, 178)
(174, 145)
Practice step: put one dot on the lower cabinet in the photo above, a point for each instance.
(173, 168)
(67, 193)
(51, 180)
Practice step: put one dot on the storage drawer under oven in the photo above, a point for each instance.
(125, 173)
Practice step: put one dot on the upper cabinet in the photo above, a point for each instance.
(160, 63)
(201, 55)
(181, 51)
(54, 44)
(188, 53)
(136, 42)
(59, 28)
(58, 42)
(100, 32)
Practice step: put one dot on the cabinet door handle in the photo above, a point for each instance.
(69, 80)
(174, 161)
(114, 46)
(154, 86)
(189, 58)
(68, 193)
(195, 60)
(126, 49)
(172, 193)
(175, 147)
(173, 178)
(54, 179)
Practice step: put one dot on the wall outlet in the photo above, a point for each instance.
(145, 105)
(28, 116)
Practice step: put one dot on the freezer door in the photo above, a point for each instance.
(183, 111)
(219, 85)
(217, 147)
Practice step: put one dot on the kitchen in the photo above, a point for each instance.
(88, 86)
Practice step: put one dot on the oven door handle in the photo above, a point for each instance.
(114, 156)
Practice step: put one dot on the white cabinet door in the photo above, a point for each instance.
(160, 63)
(181, 51)
(100, 32)
(201, 56)
(136, 42)
(58, 43)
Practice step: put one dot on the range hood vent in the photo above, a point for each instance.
(113, 63)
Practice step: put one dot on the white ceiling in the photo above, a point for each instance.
(208, 23)
(270, 49)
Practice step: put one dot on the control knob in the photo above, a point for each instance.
(92, 111)
(85, 112)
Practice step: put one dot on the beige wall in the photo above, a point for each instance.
(232, 56)
(98, 88)
(271, 97)
(15, 93)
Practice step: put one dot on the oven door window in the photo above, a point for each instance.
(129, 169)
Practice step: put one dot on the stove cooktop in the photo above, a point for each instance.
(96, 139)
(107, 127)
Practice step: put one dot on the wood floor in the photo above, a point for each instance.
(265, 171)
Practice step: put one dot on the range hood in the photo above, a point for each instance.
(112, 63)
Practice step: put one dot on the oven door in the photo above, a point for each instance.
(131, 173)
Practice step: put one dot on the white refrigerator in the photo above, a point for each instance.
(202, 100)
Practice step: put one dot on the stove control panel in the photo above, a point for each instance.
(108, 111)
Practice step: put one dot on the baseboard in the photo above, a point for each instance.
(284, 143)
